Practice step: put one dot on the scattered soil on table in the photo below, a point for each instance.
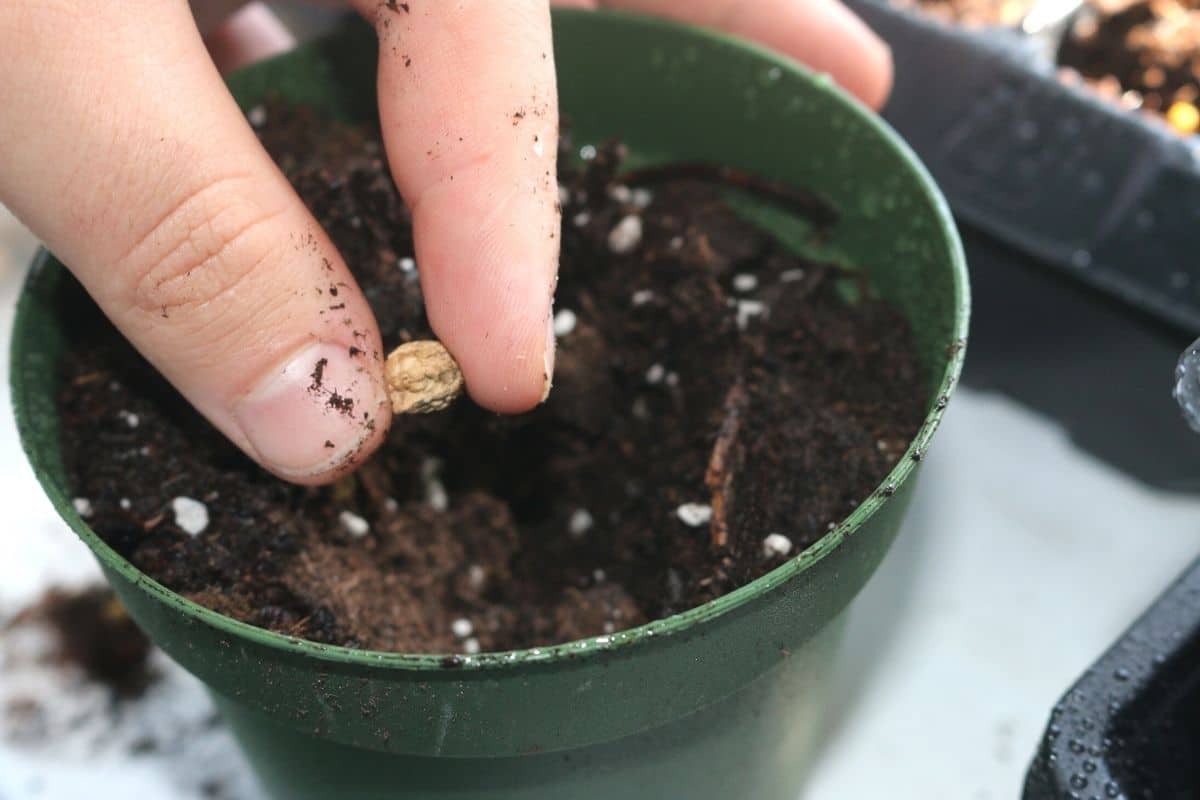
(711, 389)
(1143, 55)
(92, 631)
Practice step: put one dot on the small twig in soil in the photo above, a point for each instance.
(89, 377)
(719, 474)
(805, 203)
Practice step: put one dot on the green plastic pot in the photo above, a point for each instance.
(724, 700)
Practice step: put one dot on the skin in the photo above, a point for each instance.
(122, 150)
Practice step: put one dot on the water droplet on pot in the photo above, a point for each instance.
(1111, 789)
(1078, 781)
(1121, 674)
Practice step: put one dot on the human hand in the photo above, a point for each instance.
(121, 148)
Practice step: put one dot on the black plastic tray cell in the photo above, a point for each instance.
(1070, 180)
(1130, 727)
(1098, 367)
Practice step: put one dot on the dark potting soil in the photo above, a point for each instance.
(1144, 54)
(711, 389)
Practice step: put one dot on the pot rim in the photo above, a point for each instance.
(577, 650)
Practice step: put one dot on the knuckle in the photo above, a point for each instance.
(205, 244)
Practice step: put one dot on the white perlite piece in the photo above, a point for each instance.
(462, 627)
(125, 504)
(476, 576)
(694, 514)
(257, 116)
(641, 198)
(130, 418)
(674, 586)
(422, 377)
(582, 219)
(745, 282)
(791, 275)
(407, 264)
(190, 515)
(355, 525)
(655, 374)
(580, 522)
(676, 243)
(776, 544)
(640, 409)
(564, 322)
(587, 152)
(643, 296)
(471, 646)
(435, 491)
(746, 309)
(625, 235)
(83, 506)
(620, 193)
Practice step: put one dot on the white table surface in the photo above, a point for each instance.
(1022, 559)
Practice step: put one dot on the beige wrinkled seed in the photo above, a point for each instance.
(422, 377)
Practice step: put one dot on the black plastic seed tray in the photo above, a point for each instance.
(1130, 728)
(1080, 221)
(1053, 171)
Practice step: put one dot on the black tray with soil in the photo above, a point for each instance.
(1071, 180)
(1078, 220)
(720, 402)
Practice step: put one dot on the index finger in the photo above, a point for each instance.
(469, 110)
(824, 34)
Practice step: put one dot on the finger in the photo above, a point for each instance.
(823, 34)
(211, 14)
(250, 35)
(144, 178)
(469, 112)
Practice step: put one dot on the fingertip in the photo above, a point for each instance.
(251, 34)
(507, 372)
(878, 73)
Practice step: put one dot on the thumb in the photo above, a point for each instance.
(147, 181)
